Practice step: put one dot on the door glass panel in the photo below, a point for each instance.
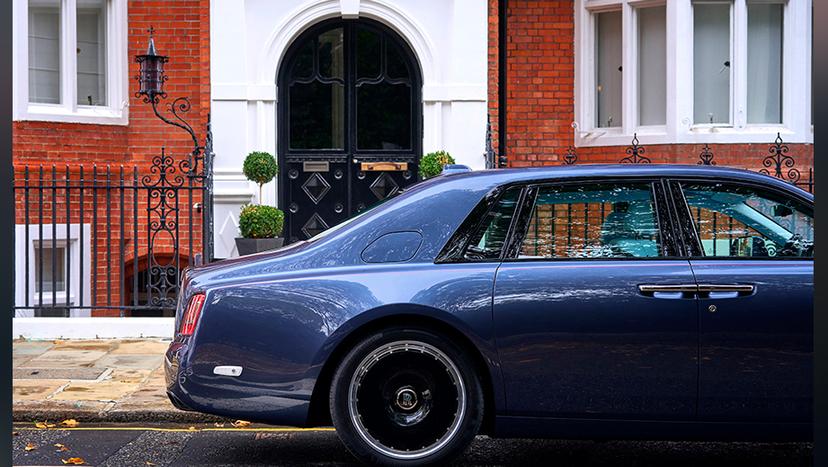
(711, 62)
(383, 116)
(367, 54)
(303, 62)
(593, 221)
(395, 62)
(330, 48)
(487, 242)
(317, 116)
(317, 93)
(745, 222)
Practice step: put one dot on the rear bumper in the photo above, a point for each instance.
(201, 391)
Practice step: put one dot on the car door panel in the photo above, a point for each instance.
(756, 351)
(755, 342)
(578, 339)
(577, 334)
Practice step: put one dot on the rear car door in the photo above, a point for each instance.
(751, 251)
(595, 314)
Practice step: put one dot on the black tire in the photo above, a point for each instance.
(406, 399)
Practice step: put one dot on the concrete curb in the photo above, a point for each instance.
(22, 412)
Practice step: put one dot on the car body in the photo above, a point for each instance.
(644, 334)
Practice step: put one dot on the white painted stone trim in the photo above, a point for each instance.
(92, 328)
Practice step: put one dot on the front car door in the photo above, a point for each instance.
(595, 314)
(751, 252)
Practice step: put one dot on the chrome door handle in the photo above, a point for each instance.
(714, 291)
(739, 288)
(653, 288)
(669, 291)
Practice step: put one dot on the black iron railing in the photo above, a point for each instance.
(109, 240)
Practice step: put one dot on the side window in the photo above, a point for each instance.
(487, 242)
(740, 221)
(593, 221)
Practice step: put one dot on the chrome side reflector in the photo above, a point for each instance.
(227, 370)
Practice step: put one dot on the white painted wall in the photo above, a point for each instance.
(249, 38)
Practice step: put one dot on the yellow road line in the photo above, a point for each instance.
(139, 428)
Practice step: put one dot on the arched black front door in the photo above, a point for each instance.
(349, 123)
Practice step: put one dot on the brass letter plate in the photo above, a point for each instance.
(384, 166)
(316, 167)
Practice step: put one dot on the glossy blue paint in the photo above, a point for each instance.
(577, 338)
(757, 350)
(558, 339)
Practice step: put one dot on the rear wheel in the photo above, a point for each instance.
(406, 397)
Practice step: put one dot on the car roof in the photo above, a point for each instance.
(495, 177)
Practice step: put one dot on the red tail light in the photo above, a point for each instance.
(191, 314)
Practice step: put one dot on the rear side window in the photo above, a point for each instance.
(741, 221)
(593, 221)
(488, 241)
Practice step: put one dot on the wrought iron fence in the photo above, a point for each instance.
(110, 240)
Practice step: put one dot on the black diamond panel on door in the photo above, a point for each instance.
(316, 187)
(315, 225)
(313, 199)
(384, 186)
(370, 188)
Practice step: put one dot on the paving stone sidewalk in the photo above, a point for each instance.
(93, 381)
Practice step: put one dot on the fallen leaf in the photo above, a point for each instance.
(71, 423)
(192, 428)
(218, 425)
(240, 423)
(149, 463)
(44, 425)
(14, 433)
(30, 447)
(74, 461)
(61, 447)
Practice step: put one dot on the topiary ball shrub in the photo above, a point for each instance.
(432, 163)
(260, 167)
(257, 221)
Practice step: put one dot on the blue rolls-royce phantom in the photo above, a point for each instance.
(586, 301)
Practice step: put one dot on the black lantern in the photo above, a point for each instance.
(152, 76)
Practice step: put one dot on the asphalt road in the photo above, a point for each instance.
(147, 446)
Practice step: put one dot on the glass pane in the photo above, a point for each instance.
(652, 66)
(395, 66)
(58, 274)
(764, 84)
(91, 51)
(741, 221)
(608, 71)
(487, 243)
(711, 63)
(367, 54)
(317, 116)
(383, 116)
(44, 52)
(331, 61)
(597, 221)
(303, 62)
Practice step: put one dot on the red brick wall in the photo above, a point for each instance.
(541, 100)
(181, 32)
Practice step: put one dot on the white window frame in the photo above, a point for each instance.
(115, 112)
(72, 243)
(796, 126)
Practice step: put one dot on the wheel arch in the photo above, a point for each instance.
(318, 412)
